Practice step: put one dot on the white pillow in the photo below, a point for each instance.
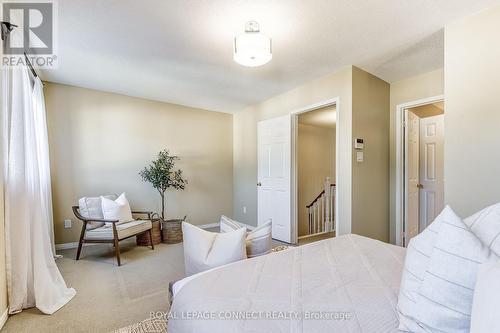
(91, 207)
(485, 224)
(445, 296)
(258, 241)
(204, 250)
(227, 224)
(486, 303)
(118, 209)
(417, 261)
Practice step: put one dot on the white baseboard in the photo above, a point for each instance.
(74, 245)
(4, 317)
(66, 246)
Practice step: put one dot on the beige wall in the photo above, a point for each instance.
(316, 161)
(472, 114)
(371, 203)
(370, 179)
(100, 141)
(339, 85)
(422, 86)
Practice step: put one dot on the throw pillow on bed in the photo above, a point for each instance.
(486, 301)
(204, 250)
(445, 302)
(485, 224)
(444, 299)
(417, 260)
(227, 224)
(258, 241)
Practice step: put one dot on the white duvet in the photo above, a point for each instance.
(344, 284)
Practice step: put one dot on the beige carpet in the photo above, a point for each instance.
(111, 298)
(146, 326)
(108, 297)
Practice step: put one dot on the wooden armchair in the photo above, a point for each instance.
(112, 234)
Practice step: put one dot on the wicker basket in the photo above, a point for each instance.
(172, 231)
(143, 239)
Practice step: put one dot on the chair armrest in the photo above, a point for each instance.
(101, 220)
(76, 211)
(143, 213)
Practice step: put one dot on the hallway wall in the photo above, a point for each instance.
(316, 161)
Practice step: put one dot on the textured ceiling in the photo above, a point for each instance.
(180, 51)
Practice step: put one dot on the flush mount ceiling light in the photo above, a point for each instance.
(252, 48)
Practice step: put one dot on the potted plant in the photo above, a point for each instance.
(161, 173)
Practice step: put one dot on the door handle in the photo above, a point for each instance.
(259, 184)
(420, 186)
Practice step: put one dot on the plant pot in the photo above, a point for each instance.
(143, 239)
(172, 231)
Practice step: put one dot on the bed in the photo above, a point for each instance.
(344, 284)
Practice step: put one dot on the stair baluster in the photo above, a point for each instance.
(321, 211)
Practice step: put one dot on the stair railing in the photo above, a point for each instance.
(321, 211)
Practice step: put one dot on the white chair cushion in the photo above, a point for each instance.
(445, 296)
(417, 261)
(486, 300)
(124, 230)
(204, 250)
(91, 207)
(485, 224)
(118, 210)
(131, 228)
(258, 241)
(101, 233)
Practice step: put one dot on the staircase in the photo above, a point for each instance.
(321, 211)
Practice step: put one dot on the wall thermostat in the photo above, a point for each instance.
(359, 144)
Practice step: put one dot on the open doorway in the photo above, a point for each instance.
(278, 178)
(423, 170)
(316, 172)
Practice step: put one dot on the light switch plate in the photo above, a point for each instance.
(244, 209)
(359, 156)
(67, 224)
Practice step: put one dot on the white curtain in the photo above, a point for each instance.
(33, 278)
(40, 124)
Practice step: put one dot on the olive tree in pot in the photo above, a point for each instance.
(161, 173)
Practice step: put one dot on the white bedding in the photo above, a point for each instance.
(349, 276)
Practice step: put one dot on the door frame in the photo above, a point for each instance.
(400, 162)
(294, 176)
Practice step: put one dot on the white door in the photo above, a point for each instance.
(431, 169)
(274, 169)
(412, 175)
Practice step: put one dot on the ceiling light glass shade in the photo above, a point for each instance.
(252, 48)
